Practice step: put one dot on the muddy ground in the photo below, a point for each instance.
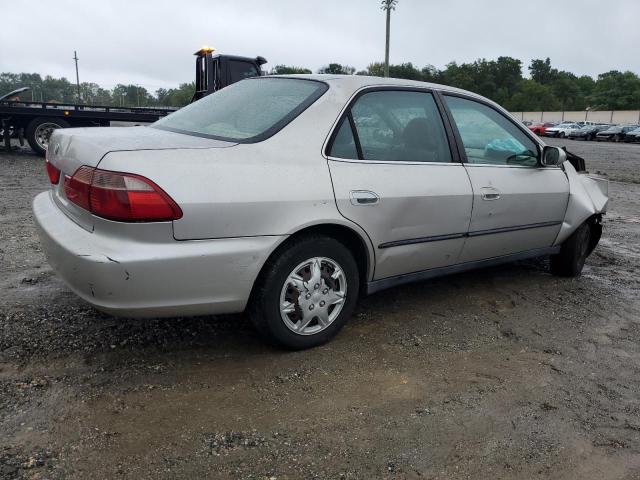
(504, 373)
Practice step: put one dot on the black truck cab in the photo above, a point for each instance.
(214, 72)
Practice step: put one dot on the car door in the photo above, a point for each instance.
(518, 205)
(394, 174)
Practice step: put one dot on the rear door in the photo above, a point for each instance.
(518, 204)
(394, 174)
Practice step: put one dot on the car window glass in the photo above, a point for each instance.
(344, 145)
(241, 70)
(400, 126)
(489, 137)
(249, 110)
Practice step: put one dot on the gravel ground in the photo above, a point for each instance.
(504, 373)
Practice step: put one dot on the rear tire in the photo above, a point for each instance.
(39, 131)
(573, 253)
(274, 289)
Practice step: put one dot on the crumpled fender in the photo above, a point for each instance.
(588, 196)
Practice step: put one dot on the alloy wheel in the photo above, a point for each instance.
(313, 295)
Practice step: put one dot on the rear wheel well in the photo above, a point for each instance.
(345, 235)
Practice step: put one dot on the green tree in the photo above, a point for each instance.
(404, 70)
(288, 70)
(176, 97)
(58, 90)
(542, 72)
(132, 96)
(430, 74)
(586, 84)
(93, 94)
(532, 96)
(337, 69)
(616, 90)
(500, 79)
(566, 89)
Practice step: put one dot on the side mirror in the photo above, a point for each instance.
(553, 156)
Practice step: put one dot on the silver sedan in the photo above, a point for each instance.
(289, 197)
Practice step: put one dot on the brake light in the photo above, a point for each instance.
(77, 188)
(53, 172)
(120, 196)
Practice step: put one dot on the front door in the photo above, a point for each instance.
(518, 204)
(394, 175)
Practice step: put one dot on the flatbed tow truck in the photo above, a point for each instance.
(34, 121)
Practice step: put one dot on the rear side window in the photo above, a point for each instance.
(344, 145)
(394, 125)
(247, 111)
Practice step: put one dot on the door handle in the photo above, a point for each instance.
(364, 197)
(489, 193)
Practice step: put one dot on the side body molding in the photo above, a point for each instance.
(588, 195)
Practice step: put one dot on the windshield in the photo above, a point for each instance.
(247, 111)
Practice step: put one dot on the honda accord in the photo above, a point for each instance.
(289, 197)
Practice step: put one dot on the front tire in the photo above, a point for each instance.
(306, 292)
(573, 253)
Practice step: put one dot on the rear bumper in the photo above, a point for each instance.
(132, 277)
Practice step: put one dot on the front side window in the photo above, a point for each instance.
(394, 125)
(246, 111)
(489, 137)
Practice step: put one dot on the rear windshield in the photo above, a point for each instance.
(247, 111)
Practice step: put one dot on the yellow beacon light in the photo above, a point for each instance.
(205, 50)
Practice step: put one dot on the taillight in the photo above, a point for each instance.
(53, 172)
(77, 188)
(120, 196)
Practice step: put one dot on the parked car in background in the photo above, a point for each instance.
(562, 130)
(615, 133)
(539, 128)
(587, 132)
(291, 196)
(632, 136)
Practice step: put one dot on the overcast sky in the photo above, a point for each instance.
(152, 42)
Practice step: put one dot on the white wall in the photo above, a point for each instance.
(604, 116)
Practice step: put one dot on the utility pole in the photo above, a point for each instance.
(388, 5)
(75, 57)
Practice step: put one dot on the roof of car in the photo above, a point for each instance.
(355, 82)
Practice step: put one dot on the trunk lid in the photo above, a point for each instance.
(69, 149)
